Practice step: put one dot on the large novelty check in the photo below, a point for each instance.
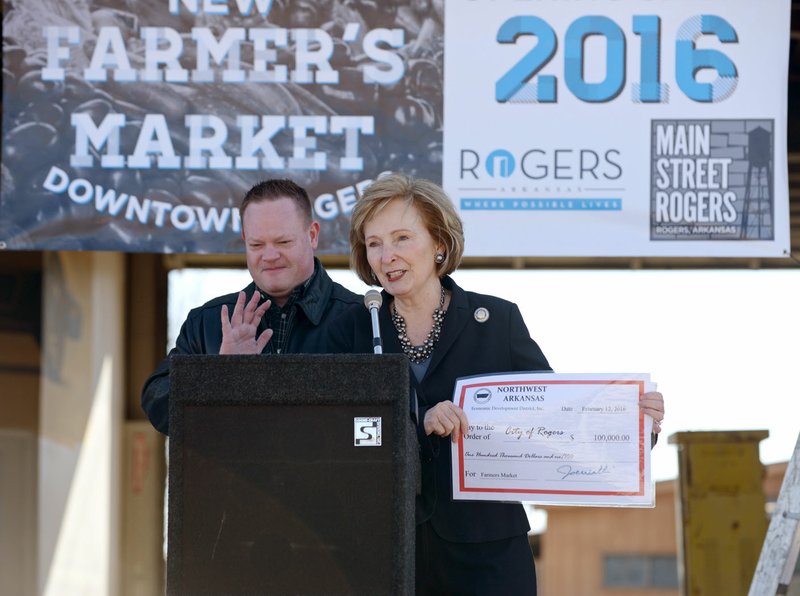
(568, 439)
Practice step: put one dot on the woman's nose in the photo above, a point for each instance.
(387, 255)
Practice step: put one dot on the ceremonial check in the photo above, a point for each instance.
(563, 439)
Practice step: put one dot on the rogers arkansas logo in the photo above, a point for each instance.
(712, 180)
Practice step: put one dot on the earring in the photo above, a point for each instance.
(374, 277)
(439, 258)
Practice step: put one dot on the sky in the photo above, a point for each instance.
(722, 345)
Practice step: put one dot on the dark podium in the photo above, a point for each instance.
(292, 474)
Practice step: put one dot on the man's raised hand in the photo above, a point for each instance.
(239, 331)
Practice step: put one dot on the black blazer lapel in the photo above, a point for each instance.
(457, 317)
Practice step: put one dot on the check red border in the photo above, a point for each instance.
(539, 381)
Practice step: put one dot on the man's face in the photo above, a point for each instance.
(279, 245)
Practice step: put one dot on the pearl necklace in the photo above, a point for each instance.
(419, 354)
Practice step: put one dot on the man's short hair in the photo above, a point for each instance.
(275, 189)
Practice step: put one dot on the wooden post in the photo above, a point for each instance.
(721, 510)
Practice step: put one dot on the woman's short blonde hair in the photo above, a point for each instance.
(437, 212)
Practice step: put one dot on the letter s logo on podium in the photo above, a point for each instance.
(367, 431)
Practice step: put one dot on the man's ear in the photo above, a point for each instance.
(313, 232)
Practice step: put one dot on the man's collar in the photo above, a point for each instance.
(313, 294)
(317, 292)
(299, 290)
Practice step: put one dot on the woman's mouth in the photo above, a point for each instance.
(394, 275)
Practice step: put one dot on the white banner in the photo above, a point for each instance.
(604, 128)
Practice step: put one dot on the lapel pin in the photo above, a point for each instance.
(481, 315)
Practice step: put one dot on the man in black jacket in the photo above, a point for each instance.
(287, 308)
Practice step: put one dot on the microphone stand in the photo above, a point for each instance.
(373, 301)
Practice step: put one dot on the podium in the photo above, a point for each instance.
(291, 474)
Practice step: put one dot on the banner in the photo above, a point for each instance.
(573, 128)
(138, 125)
(604, 128)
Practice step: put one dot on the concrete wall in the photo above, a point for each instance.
(80, 424)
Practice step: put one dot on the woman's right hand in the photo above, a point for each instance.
(446, 419)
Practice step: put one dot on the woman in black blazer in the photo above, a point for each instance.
(407, 236)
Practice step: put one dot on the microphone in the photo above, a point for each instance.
(373, 301)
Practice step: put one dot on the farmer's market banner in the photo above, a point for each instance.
(559, 127)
